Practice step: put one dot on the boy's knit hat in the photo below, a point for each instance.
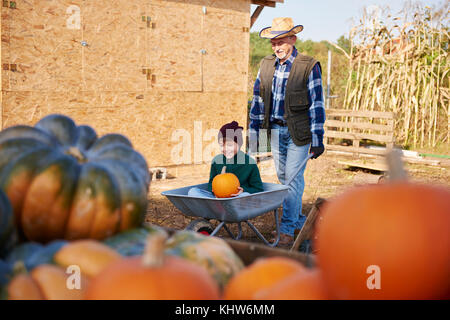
(231, 131)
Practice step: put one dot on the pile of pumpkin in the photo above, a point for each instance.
(71, 207)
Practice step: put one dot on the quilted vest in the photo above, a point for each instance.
(296, 102)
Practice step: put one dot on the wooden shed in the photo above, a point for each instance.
(152, 70)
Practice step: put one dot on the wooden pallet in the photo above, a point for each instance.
(366, 164)
(356, 126)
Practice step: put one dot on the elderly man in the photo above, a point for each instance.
(288, 100)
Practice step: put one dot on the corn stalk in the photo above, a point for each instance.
(402, 65)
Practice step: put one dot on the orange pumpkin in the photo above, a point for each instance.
(225, 184)
(153, 276)
(386, 241)
(90, 255)
(45, 282)
(300, 286)
(261, 274)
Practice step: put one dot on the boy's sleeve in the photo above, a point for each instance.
(212, 174)
(255, 183)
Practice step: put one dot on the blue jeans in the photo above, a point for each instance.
(288, 157)
(202, 193)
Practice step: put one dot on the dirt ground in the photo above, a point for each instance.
(324, 177)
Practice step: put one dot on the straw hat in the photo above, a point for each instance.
(281, 27)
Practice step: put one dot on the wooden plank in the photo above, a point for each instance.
(362, 114)
(308, 227)
(249, 252)
(255, 15)
(422, 161)
(355, 145)
(264, 3)
(279, 1)
(376, 166)
(358, 136)
(353, 150)
(262, 155)
(358, 125)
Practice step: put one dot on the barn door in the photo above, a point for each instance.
(174, 43)
(43, 52)
(226, 35)
(114, 47)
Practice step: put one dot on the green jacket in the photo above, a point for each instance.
(246, 170)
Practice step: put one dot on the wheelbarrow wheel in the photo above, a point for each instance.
(202, 226)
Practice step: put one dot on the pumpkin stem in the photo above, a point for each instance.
(395, 164)
(77, 154)
(224, 168)
(19, 268)
(154, 250)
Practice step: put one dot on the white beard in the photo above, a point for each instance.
(281, 56)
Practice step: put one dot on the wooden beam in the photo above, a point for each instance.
(279, 1)
(265, 3)
(359, 136)
(358, 125)
(364, 114)
(255, 15)
(307, 230)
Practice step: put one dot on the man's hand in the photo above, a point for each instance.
(316, 151)
(238, 193)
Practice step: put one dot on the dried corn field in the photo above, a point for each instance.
(400, 64)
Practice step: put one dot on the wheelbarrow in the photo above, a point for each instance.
(231, 210)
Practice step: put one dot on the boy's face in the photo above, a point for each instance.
(229, 148)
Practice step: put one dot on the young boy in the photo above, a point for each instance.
(235, 161)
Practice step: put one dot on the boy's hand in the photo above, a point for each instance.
(240, 190)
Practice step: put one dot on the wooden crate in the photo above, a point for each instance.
(373, 126)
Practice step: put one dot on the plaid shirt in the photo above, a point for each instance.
(315, 96)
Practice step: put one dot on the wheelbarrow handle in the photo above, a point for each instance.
(299, 168)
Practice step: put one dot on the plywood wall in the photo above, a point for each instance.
(97, 73)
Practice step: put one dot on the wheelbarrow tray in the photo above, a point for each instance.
(229, 210)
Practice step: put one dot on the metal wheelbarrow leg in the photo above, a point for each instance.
(260, 236)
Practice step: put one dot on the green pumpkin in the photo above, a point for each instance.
(8, 235)
(66, 183)
(23, 258)
(210, 252)
(32, 254)
(129, 243)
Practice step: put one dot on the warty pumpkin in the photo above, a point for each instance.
(153, 276)
(66, 183)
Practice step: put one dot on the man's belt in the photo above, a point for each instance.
(279, 122)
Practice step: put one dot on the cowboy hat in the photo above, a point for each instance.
(281, 27)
